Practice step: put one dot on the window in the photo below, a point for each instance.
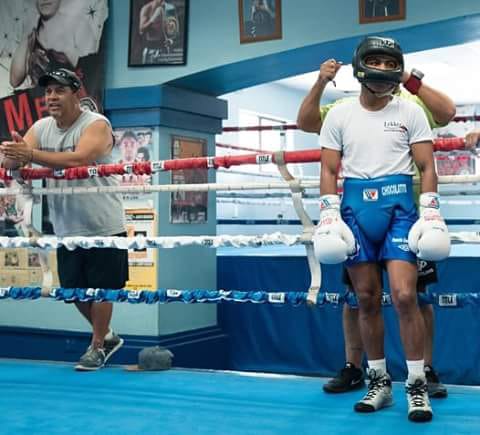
(263, 140)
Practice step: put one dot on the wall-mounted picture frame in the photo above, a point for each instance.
(259, 20)
(158, 32)
(188, 207)
(375, 11)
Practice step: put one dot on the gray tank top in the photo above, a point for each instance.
(95, 214)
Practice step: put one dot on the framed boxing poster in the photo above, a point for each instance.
(260, 20)
(132, 145)
(40, 36)
(189, 207)
(158, 32)
(374, 11)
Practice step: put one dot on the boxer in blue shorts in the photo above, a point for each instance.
(377, 138)
(380, 213)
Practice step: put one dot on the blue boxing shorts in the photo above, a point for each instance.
(380, 212)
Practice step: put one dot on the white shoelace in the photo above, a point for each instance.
(417, 394)
(374, 387)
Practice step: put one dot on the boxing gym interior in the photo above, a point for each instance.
(221, 186)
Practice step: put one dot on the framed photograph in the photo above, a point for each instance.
(260, 20)
(374, 11)
(158, 32)
(189, 207)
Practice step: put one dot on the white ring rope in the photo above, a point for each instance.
(248, 174)
(201, 187)
(263, 202)
(285, 199)
(260, 174)
(141, 242)
(465, 237)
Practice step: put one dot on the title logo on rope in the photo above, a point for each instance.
(134, 294)
(263, 159)
(207, 242)
(210, 162)
(449, 300)
(276, 298)
(173, 293)
(332, 298)
(157, 166)
(59, 173)
(92, 171)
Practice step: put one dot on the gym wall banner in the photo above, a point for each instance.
(142, 263)
(38, 36)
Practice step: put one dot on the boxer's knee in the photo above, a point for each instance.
(404, 298)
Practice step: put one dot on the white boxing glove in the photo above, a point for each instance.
(333, 241)
(429, 238)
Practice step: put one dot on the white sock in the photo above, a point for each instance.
(415, 370)
(109, 335)
(379, 365)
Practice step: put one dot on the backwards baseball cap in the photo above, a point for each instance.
(153, 358)
(63, 76)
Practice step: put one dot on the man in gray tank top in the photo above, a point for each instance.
(72, 137)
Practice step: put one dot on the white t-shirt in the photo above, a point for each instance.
(375, 143)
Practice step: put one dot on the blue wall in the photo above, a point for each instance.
(312, 30)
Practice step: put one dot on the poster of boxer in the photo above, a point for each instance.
(260, 20)
(136, 144)
(158, 32)
(40, 35)
(374, 11)
(189, 207)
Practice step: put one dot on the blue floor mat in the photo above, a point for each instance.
(51, 398)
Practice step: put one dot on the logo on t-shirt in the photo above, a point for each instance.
(370, 194)
(392, 126)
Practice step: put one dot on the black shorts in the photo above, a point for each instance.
(105, 268)
(427, 274)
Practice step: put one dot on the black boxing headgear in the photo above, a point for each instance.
(381, 46)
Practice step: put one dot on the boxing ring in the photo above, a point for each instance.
(246, 401)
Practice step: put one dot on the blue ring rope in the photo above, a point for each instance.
(163, 296)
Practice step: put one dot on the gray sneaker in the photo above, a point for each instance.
(379, 393)
(111, 346)
(419, 409)
(92, 359)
